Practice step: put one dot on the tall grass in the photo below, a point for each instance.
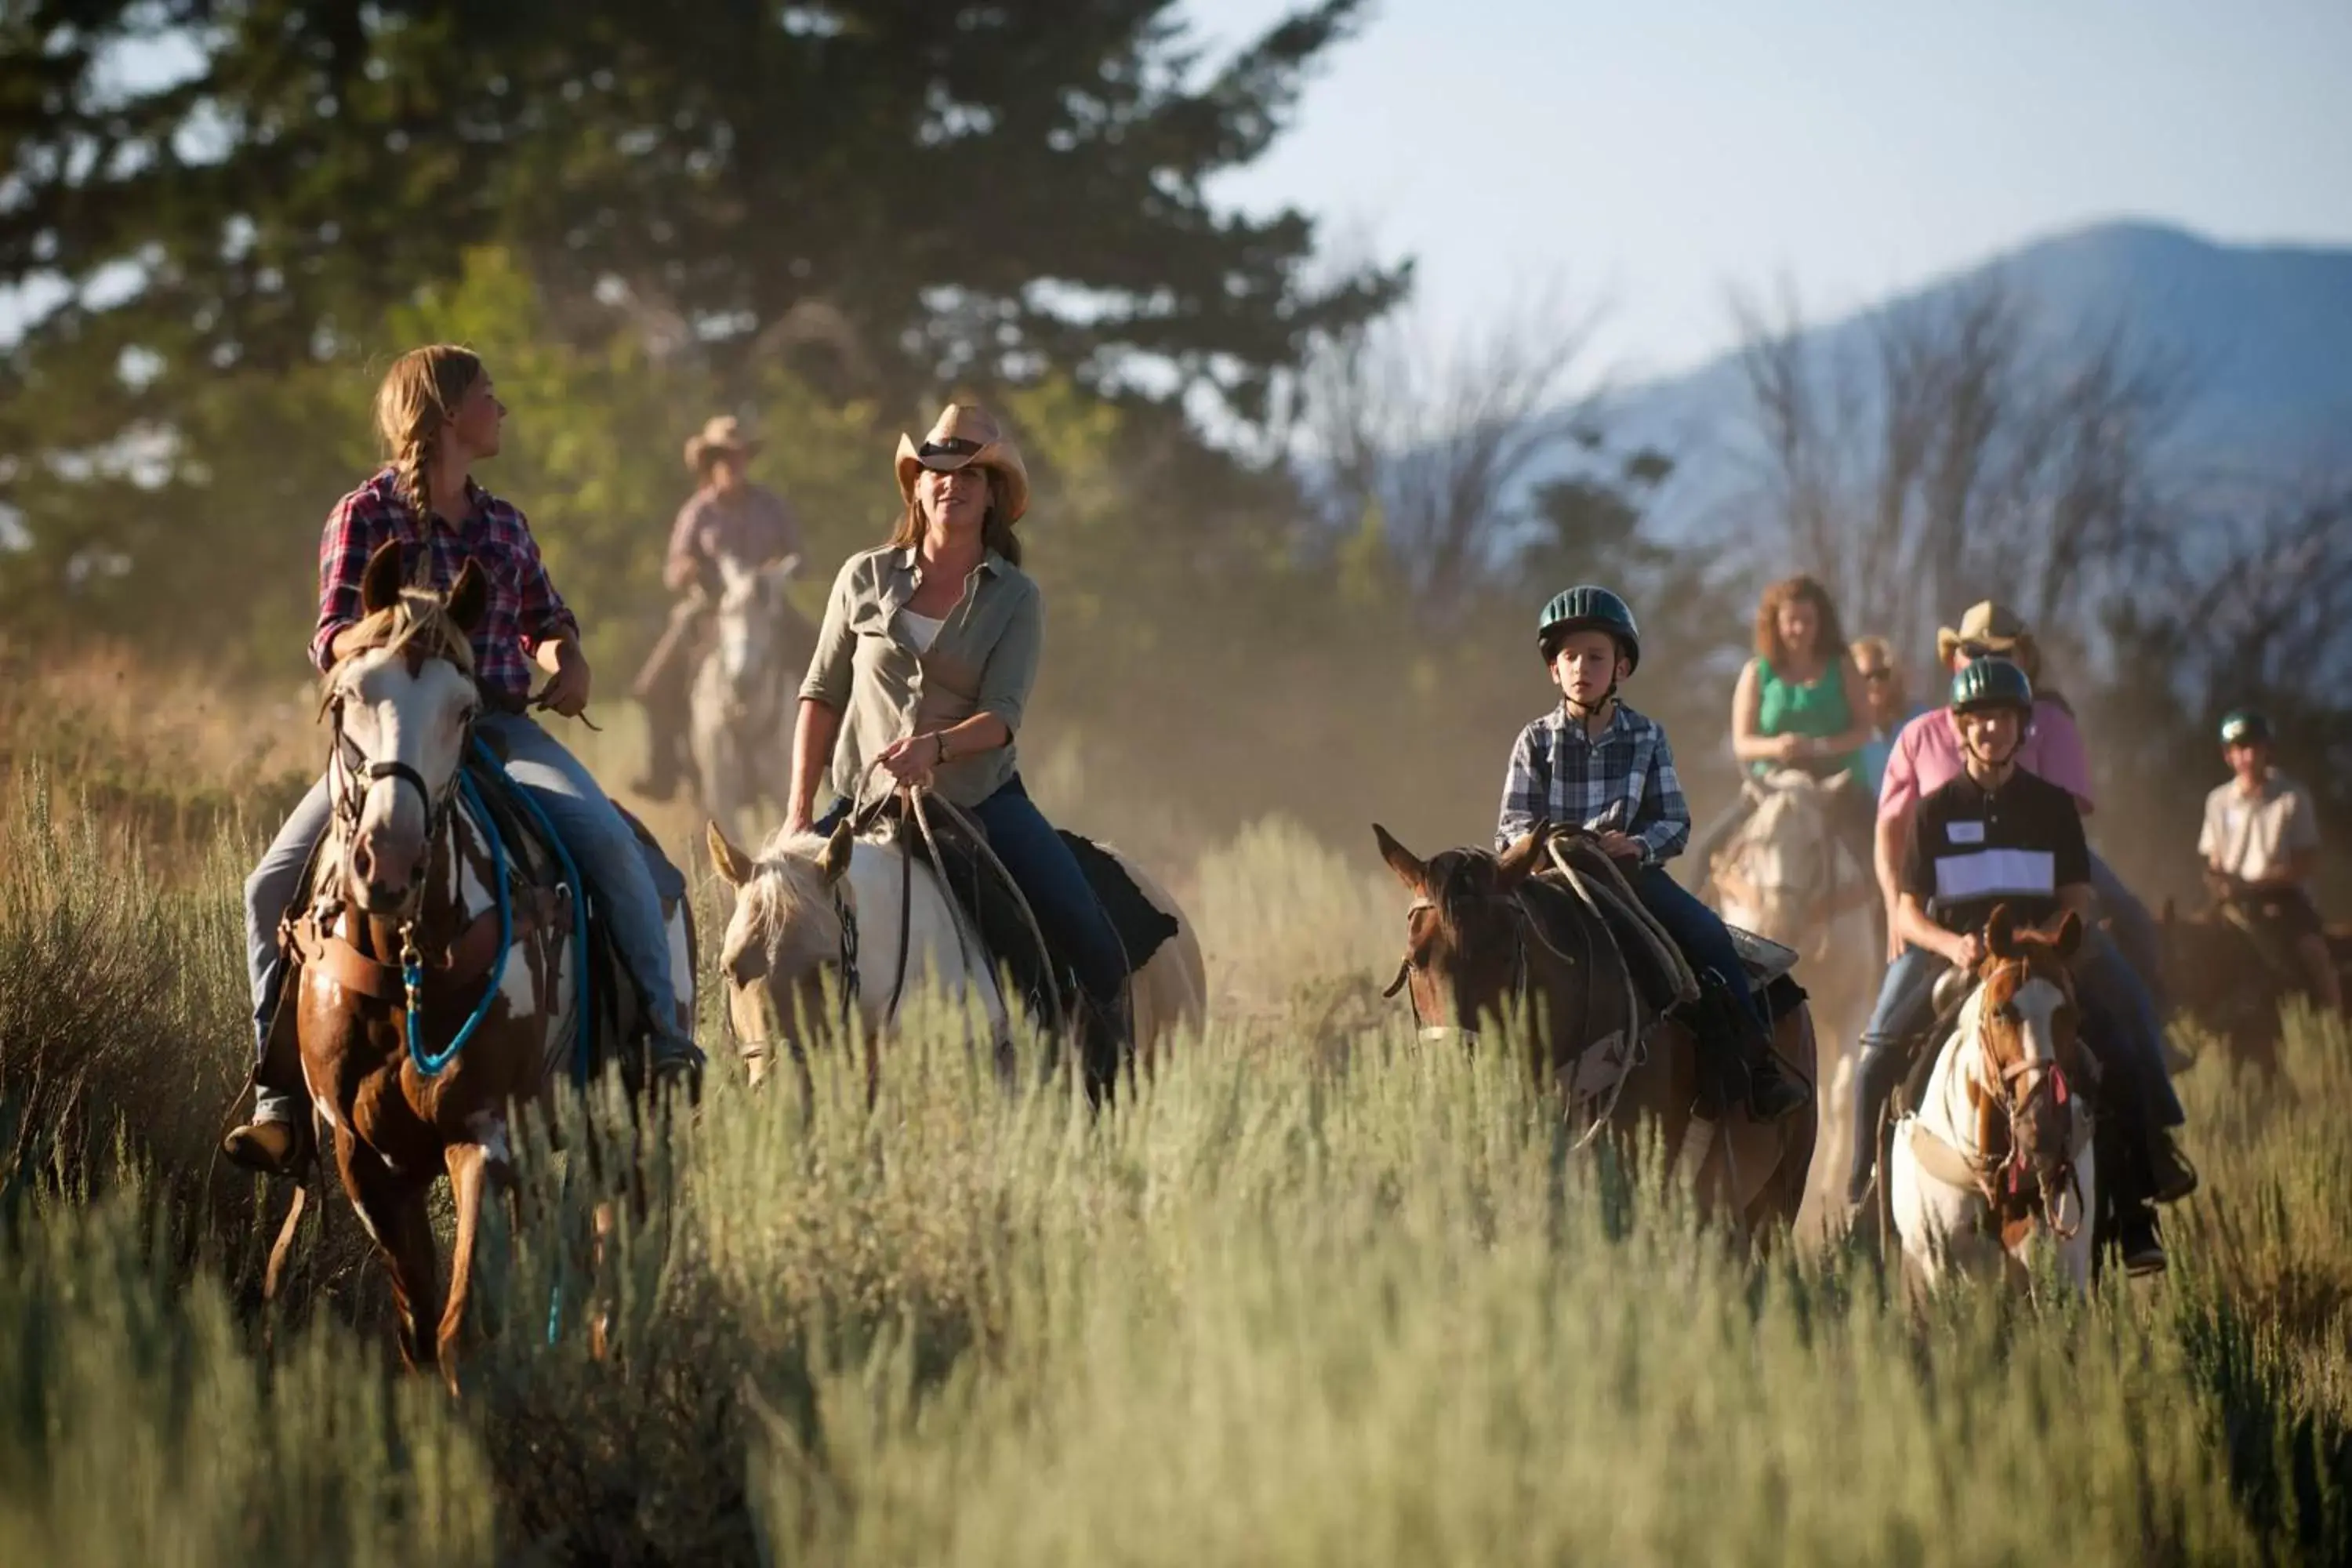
(1314, 1293)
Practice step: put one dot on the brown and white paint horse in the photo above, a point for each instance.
(1492, 939)
(407, 869)
(1999, 1153)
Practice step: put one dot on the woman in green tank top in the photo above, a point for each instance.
(1794, 707)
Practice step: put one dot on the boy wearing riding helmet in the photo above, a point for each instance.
(2259, 843)
(1593, 762)
(1995, 834)
(1927, 752)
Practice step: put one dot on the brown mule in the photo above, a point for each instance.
(1488, 936)
(407, 872)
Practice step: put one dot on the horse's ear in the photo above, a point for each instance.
(732, 863)
(2070, 934)
(837, 849)
(380, 583)
(1838, 783)
(470, 598)
(1413, 873)
(2001, 932)
(1525, 855)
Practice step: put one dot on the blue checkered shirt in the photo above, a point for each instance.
(1625, 781)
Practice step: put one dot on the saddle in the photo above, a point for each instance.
(1665, 984)
(995, 913)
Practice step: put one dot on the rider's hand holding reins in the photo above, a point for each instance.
(566, 691)
(911, 758)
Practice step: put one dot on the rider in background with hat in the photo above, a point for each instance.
(2259, 843)
(1596, 764)
(726, 517)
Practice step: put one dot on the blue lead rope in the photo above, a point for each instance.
(582, 1015)
(411, 964)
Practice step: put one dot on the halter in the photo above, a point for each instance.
(1515, 989)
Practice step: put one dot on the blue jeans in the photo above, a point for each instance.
(1695, 928)
(600, 844)
(1907, 1004)
(1059, 895)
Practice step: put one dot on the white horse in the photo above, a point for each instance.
(1999, 1153)
(809, 908)
(745, 689)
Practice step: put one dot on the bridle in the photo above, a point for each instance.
(358, 772)
(2022, 1082)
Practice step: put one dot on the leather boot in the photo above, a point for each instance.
(1878, 1065)
(2170, 1175)
(266, 1148)
(275, 1148)
(1772, 1093)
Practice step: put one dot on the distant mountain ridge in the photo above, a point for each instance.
(2263, 332)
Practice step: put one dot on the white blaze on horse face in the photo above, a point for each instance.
(419, 719)
(2036, 1004)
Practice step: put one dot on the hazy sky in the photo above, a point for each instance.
(1654, 153)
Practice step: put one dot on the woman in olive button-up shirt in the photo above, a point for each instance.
(923, 669)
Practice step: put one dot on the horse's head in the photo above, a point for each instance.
(402, 702)
(2027, 1028)
(787, 931)
(753, 620)
(1778, 875)
(1466, 932)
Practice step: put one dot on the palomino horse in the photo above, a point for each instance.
(435, 994)
(2231, 970)
(809, 908)
(1788, 874)
(1999, 1150)
(1489, 935)
(739, 724)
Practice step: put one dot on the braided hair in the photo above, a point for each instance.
(413, 406)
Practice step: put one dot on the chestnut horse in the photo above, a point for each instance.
(1999, 1152)
(1513, 937)
(437, 988)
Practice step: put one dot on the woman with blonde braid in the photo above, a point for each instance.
(438, 415)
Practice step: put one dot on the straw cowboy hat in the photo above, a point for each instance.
(967, 435)
(1996, 629)
(723, 432)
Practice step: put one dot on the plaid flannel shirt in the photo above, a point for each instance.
(525, 609)
(1625, 781)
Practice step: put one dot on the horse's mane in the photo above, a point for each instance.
(417, 623)
(775, 903)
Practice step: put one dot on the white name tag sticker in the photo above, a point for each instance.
(1966, 832)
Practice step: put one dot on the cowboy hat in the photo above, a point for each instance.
(720, 433)
(1991, 624)
(967, 435)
